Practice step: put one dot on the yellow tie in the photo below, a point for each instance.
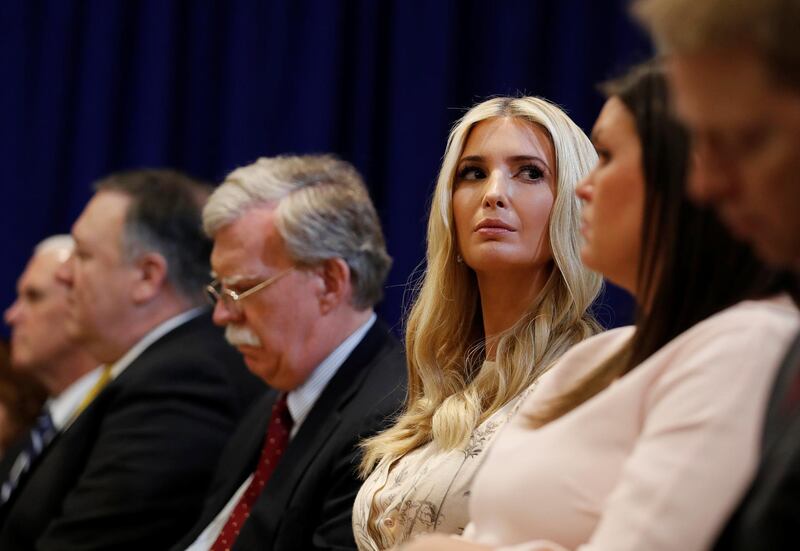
(102, 381)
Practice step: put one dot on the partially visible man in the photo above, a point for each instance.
(130, 471)
(40, 343)
(21, 401)
(299, 261)
(735, 70)
(42, 349)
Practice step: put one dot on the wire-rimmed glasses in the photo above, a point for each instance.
(231, 299)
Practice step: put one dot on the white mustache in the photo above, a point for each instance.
(240, 335)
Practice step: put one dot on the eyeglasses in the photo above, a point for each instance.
(231, 299)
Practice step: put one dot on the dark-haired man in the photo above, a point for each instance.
(130, 470)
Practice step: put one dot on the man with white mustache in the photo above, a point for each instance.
(298, 262)
(237, 335)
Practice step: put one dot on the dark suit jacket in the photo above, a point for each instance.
(132, 470)
(768, 518)
(307, 503)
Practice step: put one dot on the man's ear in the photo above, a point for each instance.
(336, 287)
(151, 276)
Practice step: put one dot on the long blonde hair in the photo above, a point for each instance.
(448, 392)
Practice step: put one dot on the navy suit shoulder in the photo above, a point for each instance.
(131, 471)
(769, 515)
(307, 504)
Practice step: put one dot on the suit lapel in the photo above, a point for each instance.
(777, 421)
(10, 457)
(318, 427)
(156, 348)
(241, 458)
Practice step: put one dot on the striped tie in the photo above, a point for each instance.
(39, 437)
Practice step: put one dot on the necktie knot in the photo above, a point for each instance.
(280, 412)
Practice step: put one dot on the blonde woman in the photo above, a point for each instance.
(503, 296)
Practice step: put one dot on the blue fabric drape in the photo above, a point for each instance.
(94, 86)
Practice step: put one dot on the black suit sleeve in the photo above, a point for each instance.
(149, 468)
(333, 529)
(335, 532)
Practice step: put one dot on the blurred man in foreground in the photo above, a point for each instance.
(735, 70)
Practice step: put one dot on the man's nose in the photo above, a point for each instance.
(11, 315)
(710, 178)
(223, 315)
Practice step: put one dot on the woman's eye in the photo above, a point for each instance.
(471, 173)
(603, 155)
(532, 172)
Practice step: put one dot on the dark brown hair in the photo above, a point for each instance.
(690, 267)
(165, 216)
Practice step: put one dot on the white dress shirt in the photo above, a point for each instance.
(64, 407)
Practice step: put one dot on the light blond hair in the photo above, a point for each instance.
(323, 210)
(770, 27)
(448, 392)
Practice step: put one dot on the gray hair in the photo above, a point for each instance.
(63, 242)
(323, 210)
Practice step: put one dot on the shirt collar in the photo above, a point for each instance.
(302, 399)
(64, 406)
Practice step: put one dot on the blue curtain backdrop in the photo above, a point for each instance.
(91, 87)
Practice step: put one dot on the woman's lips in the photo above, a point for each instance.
(493, 227)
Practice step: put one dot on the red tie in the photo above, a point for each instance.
(280, 424)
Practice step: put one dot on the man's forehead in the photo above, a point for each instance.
(83, 235)
(40, 270)
(106, 209)
(233, 261)
(247, 243)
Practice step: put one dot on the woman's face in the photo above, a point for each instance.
(613, 196)
(503, 192)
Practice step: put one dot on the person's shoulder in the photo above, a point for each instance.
(382, 387)
(598, 346)
(773, 319)
(385, 351)
(750, 337)
(190, 357)
(193, 337)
